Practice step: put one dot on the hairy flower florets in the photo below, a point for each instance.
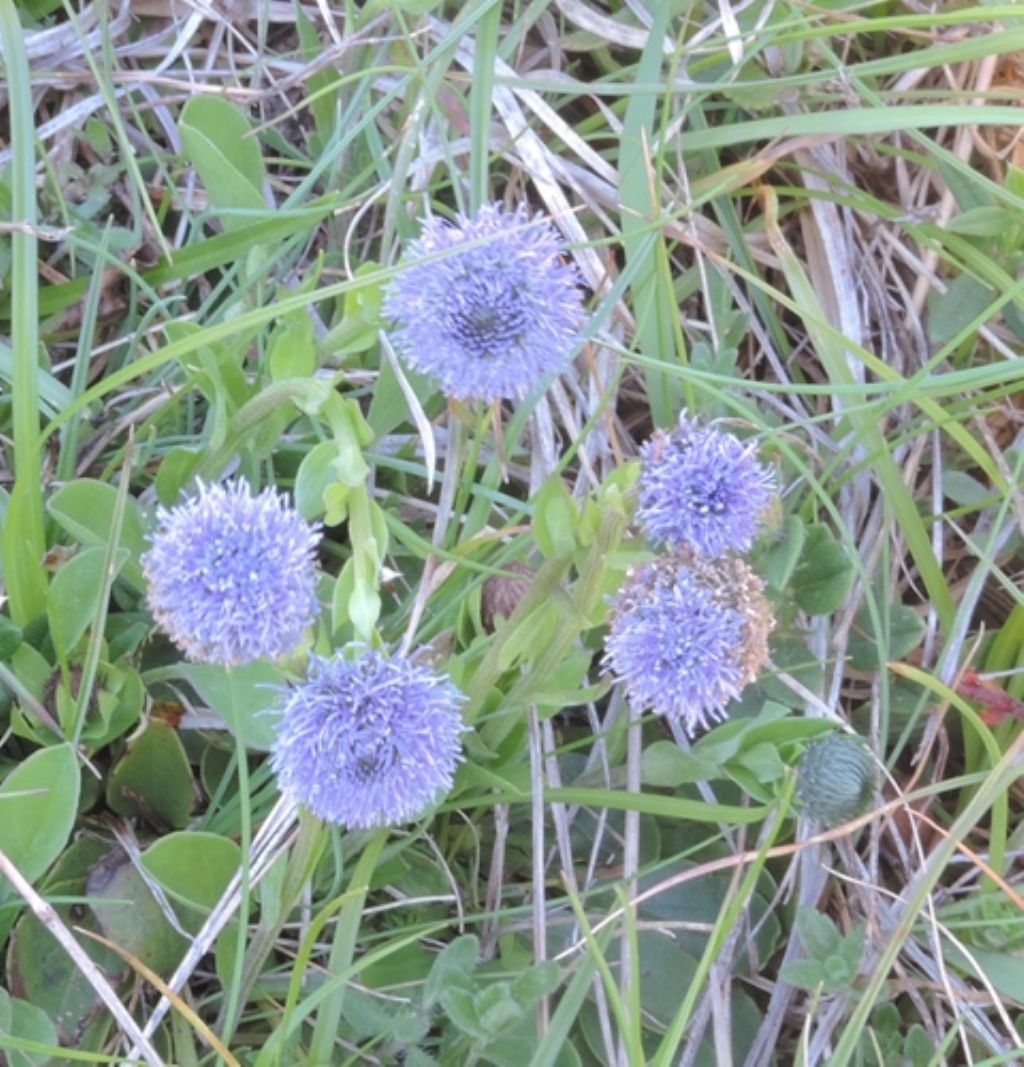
(231, 577)
(702, 488)
(369, 742)
(688, 634)
(486, 306)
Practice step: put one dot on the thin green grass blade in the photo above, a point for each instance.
(912, 901)
(484, 53)
(652, 296)
(328, 1016)
(24, 542)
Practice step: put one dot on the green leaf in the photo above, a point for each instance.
(360, 323)
(763, 761)
(26, 1021)
(85, 509)
(555, 519)
(965, 490)
(818, 934)
(10, 638)
(824, 575)
(244, 697)
(780, 560)
(177, 466)
(964, 301)
(43, 973)
(665, 764)
(194, 868)
(982, 222)
(804, 974)
(290, 352)
(459, 1006)
(837, 974)
(38, 805)
(902, 631)
(217, 139)
(316, 474)
(153, 780)
(74, 596)
(851, 949)
(452, 968)
(130, 915)
(496, 1009)
(538, 980)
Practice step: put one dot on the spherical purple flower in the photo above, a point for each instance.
(232, 577)
(688, 633)
(369, 742)
(702, 488)
(486, 306)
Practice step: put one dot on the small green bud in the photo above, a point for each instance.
(837, 780)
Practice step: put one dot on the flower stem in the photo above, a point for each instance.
(328, 1016)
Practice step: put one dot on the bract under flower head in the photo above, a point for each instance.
(232, 577)
(369, 742)
(688, 633)
(486, 305)
(702, 488)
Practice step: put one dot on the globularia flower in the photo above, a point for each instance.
(702, 488)
(837, 780)
(369, 742)
(688, 633)
(486, 306)
(232, 577)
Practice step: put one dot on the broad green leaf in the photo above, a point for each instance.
(194, 868)
(780, 560)
(824, 575)
(85, 509)
(903, 630)
(453, 967)
(217, 140)
(818, 933)
(290, 352)
(10, 638)
(25, 1020)
(244, 697)
(804, 974)
(74, 596)
(176, 468)
(38, 805)
(153, 780)
(316, 474)
(964, 300)
(665, 764)
(983, 222)
(555, 519)
(131, 916)
(44, 974)
(965, 490)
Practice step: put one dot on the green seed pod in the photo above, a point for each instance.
(837, 780)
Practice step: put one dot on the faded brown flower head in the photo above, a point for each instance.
(502, 593)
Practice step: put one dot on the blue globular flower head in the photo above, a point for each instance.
(231, 577)
(688, 634)
(487, 306)
(369, 742)
(702, 488)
